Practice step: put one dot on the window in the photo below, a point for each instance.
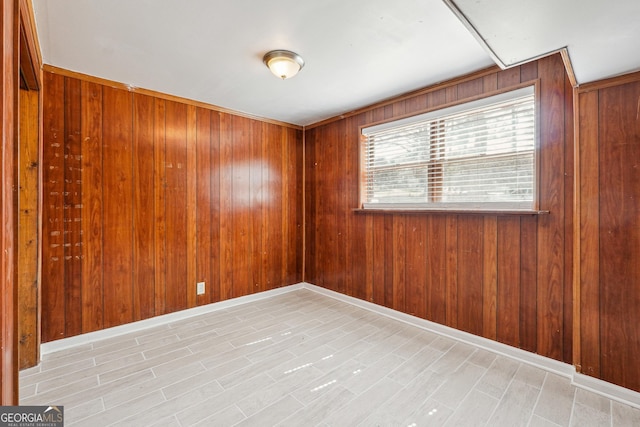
(478, 155)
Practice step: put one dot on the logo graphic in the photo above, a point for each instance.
(31, 416)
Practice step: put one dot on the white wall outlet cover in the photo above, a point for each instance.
(200, 288)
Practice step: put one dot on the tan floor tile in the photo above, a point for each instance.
(516, 405)
(318, 410)
(223, 400)
(624, 415)
(458, 385)
(229, 416)
(84, 410)
(363, 405)
(54, 374)
(475, 410)
(368, 376)
(432, 413)
(406, 371)
(483, 358)
(141, 388)
(271, 415)
(556, 400)
(404, 404)
(537, 421)
(113, 415)
(269, 395)
(530, 375)
(498, 377)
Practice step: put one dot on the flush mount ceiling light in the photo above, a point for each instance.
(283, 63)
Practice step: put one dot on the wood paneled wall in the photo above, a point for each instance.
(609, 223)
(144, 197)
(507, 278)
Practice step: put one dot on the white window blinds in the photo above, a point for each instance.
(475, 155)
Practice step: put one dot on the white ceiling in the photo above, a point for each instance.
(601, 36)
(357, 52)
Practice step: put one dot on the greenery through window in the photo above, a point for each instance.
(477, 155)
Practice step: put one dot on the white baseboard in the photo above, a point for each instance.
(603, 388)
(164, 319)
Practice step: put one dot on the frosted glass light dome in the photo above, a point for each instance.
(283, 64)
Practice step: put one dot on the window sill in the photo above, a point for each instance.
(450, 211)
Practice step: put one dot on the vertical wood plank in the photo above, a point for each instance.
(53, 311)
(310, 200)
(529, 71)
(399, 262)
(191, 206)
(294, 164)
(176, 206)
(470, 88)
(389, 260)
(451, 94)
(240, 243)
(469, 277)
(117, 220)
(416, 104)
(416, 265)
(92, 214)
(204, 207)
(273, 148)
(143, 208)
(388, 111)
(589, 234)
(256, 193)
(284, 216)
(437, 295)
(508, 77)
(267, 208)
(490, 82)
(369, 252)
(490, 277)
(327, 207)
(528, 283)
(160, 213)
(298, 245)
(326, 257)
(437, 98)
(72, 208)
(215, 174)
(226, 206)
(378, 265)
(399, 108)
(508, 315)
(451, 268)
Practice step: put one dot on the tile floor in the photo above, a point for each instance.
(303, 359)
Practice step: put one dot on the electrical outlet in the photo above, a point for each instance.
(200, 288)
